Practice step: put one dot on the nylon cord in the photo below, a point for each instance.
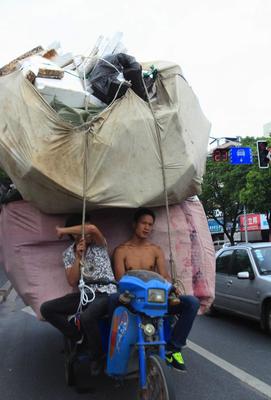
(171, 259)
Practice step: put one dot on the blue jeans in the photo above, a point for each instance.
(186, 312)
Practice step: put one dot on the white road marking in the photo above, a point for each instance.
(12, 296)
(6, 286)
(243, 376)
(29, 311)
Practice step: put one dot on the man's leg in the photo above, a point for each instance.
(89, 321)
(113, 303)
(186, 312)
(57, 311)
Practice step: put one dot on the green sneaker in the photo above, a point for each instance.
(175, 360)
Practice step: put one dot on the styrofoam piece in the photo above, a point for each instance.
(63, 59)
(86, 66)
(40, 65)
(68, 90)
(120, 48)
(60, 58)
(93, 52)
(70, 67)
(104, 46)
(108, 46)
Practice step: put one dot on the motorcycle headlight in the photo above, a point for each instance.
(156, 296)
(149, 329)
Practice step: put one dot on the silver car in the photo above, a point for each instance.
(243, 281)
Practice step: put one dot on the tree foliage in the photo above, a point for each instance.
(257, 192)
(229, 187)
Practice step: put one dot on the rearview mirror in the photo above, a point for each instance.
(243, 275)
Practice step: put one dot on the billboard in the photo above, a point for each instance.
(214, 226)
(255, 222)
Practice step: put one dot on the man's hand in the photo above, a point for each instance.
(59, 232)
(80, 248)
(179, 287)
(178, 291)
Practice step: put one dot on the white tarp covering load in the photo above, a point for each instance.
(44, 155)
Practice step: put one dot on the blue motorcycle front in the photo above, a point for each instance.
(138, 334)
(140, 328)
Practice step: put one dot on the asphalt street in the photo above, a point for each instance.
(227, 359)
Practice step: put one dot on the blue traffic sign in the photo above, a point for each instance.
(241, 155)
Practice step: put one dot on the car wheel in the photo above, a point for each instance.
(268, 318)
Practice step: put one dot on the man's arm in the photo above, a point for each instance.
(90, 229)
(119, 262)
(161, 264)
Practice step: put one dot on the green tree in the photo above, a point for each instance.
(221, 191)
(229, 187)
(257, 192)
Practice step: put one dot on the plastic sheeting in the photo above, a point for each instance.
(43, 154)
(32, 254)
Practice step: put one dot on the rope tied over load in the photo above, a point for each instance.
(177, 283)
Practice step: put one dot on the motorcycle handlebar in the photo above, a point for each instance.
(103, 282)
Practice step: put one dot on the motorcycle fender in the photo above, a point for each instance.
(123, 337)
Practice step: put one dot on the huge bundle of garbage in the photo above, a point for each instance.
(105, 127)
(124, 120)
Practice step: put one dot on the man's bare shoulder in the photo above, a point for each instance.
(121, 248)
(154, 245)
(125, 247)
(156, 248)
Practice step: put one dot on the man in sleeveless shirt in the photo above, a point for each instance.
(97, 260)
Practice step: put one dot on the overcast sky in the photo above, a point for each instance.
(223, 46)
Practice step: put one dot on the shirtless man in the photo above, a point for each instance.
(139, 253)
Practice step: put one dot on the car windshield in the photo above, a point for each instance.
(262, 257)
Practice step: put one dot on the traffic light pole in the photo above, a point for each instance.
(245, 224)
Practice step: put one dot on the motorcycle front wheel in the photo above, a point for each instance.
(159, 380)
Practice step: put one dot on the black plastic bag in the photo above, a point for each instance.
(8, 192)
(104, 77)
